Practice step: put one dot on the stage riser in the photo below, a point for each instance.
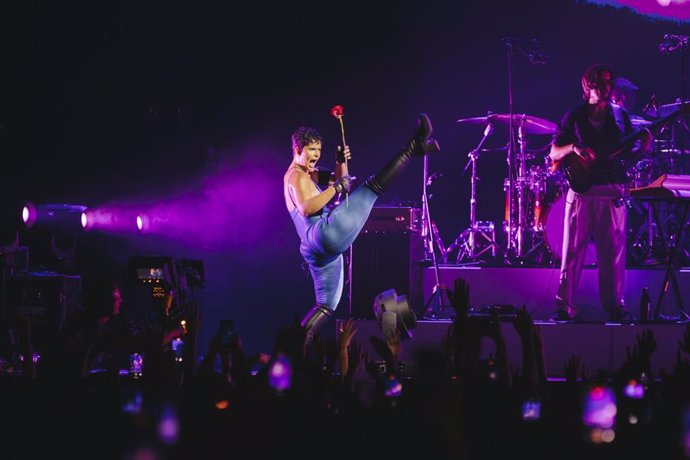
(536, 288)
(599, 346)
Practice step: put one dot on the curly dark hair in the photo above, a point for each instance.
(304, 136)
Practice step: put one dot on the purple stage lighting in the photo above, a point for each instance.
(29, 215)
(84, 220)
(120, 219)
(53, 216)
(231, 208)
(662, 9)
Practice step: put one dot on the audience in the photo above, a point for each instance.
(109, 388)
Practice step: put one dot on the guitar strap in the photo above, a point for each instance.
(619, 117)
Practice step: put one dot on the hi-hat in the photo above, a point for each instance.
(530, 124)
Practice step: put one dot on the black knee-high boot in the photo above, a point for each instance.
(313, 320)
(420, 144)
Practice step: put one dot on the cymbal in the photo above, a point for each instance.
(664, 110)
(531, 124)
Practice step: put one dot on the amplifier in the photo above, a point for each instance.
(393, 219)
(387, 256)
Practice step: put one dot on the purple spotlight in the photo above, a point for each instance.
(84, 220)
(29, 214)
(140, 223)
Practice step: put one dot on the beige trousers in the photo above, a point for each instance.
(599, 216)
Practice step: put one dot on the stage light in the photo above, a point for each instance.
(84, 220)
(393, 312)
(29, 215)
(54, 216)
(140, 223)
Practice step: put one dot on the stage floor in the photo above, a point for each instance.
(536, 289)
(598, 345)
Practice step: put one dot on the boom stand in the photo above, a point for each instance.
(436, 307)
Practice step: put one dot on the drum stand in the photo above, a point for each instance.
(517, 182)
(466, 242)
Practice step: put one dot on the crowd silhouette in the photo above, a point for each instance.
(108, 388)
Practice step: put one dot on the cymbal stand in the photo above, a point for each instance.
(521, 182)
(467, 240)
(514, 248)
(512, 243)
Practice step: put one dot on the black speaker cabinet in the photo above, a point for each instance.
(386, 255)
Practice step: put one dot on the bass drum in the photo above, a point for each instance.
(553, 231)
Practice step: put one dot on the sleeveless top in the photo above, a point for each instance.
(302, 223)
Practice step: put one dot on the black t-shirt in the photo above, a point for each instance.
(575, 128)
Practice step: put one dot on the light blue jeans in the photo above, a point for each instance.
(327, 237)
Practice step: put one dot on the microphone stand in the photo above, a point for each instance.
(434, 307)
(516, 173)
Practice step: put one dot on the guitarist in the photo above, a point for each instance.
(587, 131)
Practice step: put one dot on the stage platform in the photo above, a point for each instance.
(598, 345)
(536, 288)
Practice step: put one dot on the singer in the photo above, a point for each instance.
(589, 131)
(326, 233)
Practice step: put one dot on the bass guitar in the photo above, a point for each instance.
(578, 171)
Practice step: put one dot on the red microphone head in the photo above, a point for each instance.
(337, 111)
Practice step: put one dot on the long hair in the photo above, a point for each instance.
(593, 77)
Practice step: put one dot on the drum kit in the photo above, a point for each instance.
(534, 208)
(535, 196)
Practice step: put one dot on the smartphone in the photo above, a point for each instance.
(134, 402)
(227, 332)
(531, 410)
(599, 409)
(178, 349)
(393, 387)
(136, 365)
(280, 373)
(634, 389)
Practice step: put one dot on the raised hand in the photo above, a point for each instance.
(393, 342)
(646, 344)
(460, 297)
(356, 356)
(343, 155)
(523, 323)
(382, 349)
(571, 368)
(347, 332)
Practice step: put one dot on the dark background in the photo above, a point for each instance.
(175, 102)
